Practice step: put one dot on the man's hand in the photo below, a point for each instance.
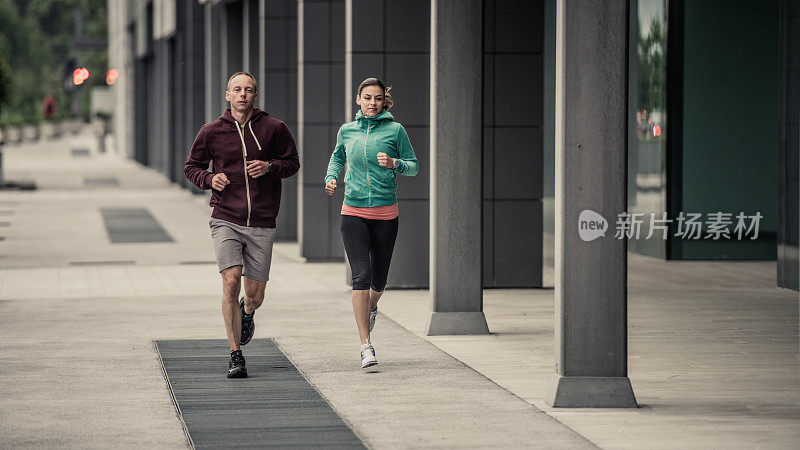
(385, 161)
(219, 181)
(256, 168)
(330, 188)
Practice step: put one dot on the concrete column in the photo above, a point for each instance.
(456, 167)
(591, 297)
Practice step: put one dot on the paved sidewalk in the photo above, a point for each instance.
(713, 346)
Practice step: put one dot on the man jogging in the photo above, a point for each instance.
(250, 153)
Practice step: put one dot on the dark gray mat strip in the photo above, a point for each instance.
(100, 181)
(274, 407)
(126, 225)
(80, 152)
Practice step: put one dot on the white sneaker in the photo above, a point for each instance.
(373, 313)
(367, 356)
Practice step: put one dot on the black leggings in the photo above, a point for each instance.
(369, 244)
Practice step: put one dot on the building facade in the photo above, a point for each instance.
(524, 115)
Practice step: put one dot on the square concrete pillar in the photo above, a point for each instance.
(456, 148)
(591, 159)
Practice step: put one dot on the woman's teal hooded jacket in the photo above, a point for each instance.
(357, 146)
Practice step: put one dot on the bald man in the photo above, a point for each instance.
(249, 153)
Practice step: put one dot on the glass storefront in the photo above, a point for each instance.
(647, 115)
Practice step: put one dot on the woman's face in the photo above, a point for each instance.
(370, 100)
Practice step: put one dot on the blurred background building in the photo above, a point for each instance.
(713, 106)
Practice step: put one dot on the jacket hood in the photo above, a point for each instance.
(257, 114)
(385, 115)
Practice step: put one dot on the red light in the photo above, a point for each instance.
(111, 76)
(657, 131)
(80, 75)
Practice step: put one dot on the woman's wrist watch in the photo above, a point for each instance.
(395, 163)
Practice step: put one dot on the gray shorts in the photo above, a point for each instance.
(236, 245)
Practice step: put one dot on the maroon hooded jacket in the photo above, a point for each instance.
(247, 201)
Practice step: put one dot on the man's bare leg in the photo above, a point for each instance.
(231, 286)
(253, 294)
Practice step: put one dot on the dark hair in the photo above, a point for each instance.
(255, 83)
(371, 82)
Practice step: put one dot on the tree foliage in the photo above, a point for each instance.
(652, 50)
(37, 38)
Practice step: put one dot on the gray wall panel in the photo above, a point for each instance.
(385, 47)
(521, 26)
(316, 229)
(488, 167)
(321, 235)
(417, 187)
(318, 101)
(316, 46)
(286, 223)
(273, 89)
(250, 36)
(322, 112)
(488, 242)
(366, 65)
(518, 225)
(232, 36)
(336, 96)
(369, 30)
(408, 26)
(337, 34)
(280, 91)
(320, 140)
(488, 89)
(513, 143)
(411, 252)
(275, 43)
(518, 103)
(337, 246)
(409, 76)
(518, 163)
(282, 8)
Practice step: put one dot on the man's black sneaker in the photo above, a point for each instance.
(248, 326)
(236, 367)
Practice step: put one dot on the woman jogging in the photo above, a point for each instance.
(375, 149)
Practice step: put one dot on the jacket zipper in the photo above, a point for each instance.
(366, 166)
(246, 181)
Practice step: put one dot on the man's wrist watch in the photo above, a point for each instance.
(395, 163)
